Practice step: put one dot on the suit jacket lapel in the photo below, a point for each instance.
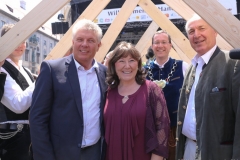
(101, 74)
(74, 82)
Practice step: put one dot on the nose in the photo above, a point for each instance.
(196, 34)
(84, 43)
(127, 64)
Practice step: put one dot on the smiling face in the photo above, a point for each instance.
(85, 46)
(202, 37)
(126, 69)
(161, 46)
(18, 52)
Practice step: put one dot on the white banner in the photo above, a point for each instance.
(107, 16)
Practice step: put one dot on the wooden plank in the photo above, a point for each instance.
(165, 24)
(146, 37)
(182, 56)
(91, 12)
(144, 50)
(28, 24)
(115, 28)
(186, 13)
(174, 54)
(219, 18)
(146, 41)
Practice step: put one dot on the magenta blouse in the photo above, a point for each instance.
(136, 129)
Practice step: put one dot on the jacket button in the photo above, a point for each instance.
(179, 122)
(184, 107)
(187, 91)
(79, 145)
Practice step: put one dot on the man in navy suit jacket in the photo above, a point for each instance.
(68, 101)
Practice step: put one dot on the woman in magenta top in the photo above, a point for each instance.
(135, 115)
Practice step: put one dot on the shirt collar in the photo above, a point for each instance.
(19, 63)
(206, 57)
(80, 67)
(161, 66)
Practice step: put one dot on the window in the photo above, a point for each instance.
(50, 47)
(38, 58)
(26, 54)
(2, 23)
(44, 51)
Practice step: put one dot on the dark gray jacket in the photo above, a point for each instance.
(217, 112)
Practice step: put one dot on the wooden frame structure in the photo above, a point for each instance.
(223, 22)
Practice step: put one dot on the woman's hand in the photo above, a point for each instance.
(156, 157)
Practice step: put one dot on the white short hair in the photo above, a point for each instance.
(88, 25)
(193, 18)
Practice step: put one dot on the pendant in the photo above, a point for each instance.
(125, 98)
(162, 83)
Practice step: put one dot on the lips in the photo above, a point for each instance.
(200, 41)
(128, 72)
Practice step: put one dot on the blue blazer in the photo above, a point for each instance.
(56, 116)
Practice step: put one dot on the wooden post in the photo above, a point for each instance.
(146, 40)
(164, 23)
(91, 12)
(115, 28)
(186, 12)
(28, 24)
(219, 18)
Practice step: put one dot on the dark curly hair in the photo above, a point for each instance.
(122, 50)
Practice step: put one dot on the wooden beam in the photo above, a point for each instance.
(91, 12)
(182, 56)
(143, 43)
(164, 23)
(146, 41)
(115, 28)
(144, 50)
(186, 13)
(28, 25)
(219, 18)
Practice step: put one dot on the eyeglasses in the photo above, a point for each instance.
(163, 43)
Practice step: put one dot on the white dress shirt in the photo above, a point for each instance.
(91, 99)
(189, 125)
(184, 66)
(14, 98)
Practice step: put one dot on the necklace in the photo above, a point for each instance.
(124, 99)
(162, 82)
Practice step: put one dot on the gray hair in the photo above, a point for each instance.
(193, 18)
(88, 25)
(6, 28)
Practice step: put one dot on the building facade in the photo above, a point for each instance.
(38, 45)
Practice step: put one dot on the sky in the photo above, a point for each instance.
(30, 4)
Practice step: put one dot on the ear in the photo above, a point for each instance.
(99, 44)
